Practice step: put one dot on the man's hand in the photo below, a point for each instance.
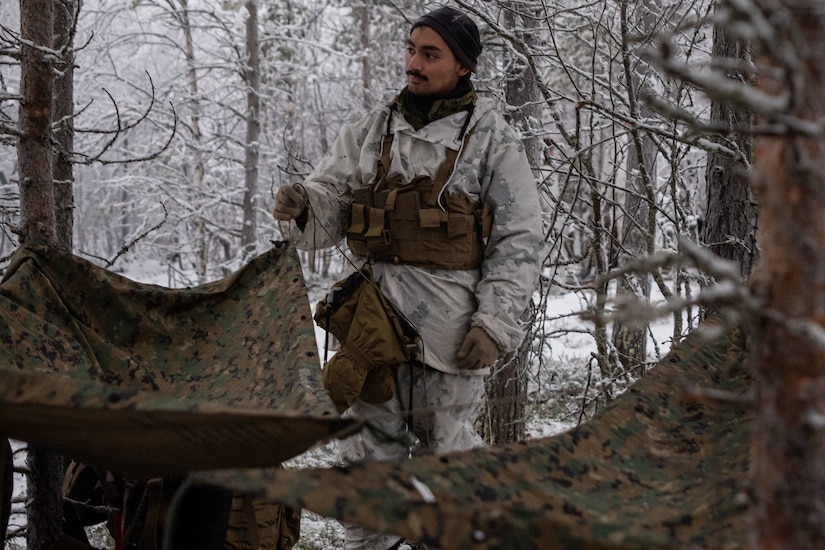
(478, 351)
(290, 202)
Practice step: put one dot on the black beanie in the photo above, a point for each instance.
(458, 31)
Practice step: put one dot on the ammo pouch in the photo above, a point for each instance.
(404, 224)
(374, 338)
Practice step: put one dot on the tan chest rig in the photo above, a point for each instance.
(415, 223)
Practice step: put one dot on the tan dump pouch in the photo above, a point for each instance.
(374, 338)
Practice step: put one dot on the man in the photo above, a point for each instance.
(436, 191)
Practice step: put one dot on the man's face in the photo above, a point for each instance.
(432, 68)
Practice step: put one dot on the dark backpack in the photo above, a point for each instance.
(137, 511)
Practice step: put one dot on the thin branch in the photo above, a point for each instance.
(128, 246)
(10, 130)
(120, 128)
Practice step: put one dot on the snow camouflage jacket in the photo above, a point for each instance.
(493, 168)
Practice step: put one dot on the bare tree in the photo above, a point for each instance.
(6, 485)
(37, 208)
(34, 149)
(252, 77)
(507, 387)
(65, 18)
(729, 228)
(366, 80)
(180, 11)
(637, 220)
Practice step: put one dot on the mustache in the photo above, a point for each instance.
(416, 74)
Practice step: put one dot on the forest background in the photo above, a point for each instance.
(185, 116)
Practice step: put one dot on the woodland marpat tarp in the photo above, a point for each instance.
(149, 381)
(650, 471)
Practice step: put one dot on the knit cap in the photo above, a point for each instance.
(458, 31)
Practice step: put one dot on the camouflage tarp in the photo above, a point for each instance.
(149, 381)
(648, 472)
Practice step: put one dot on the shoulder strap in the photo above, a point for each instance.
(442, 175)
(383, 167)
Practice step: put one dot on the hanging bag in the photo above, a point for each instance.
(374, 338)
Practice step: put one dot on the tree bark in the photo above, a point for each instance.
(63, 116)
(788, 442)
(252, 77)
(38, 223)
(507, 389)
(729, 228)
(6, 485)
(503, 420)
(34, 150)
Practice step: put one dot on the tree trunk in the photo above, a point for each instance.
(366, 78)
(34, 150)
(507, 389)
(63, 116)
(38, 223)
(199, 169)
(630, 340)
(503, 420)
(6, 485)
(638, 221)
(252, 78)
(788, 443)
(729, 229)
